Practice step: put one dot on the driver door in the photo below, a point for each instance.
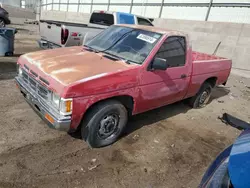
(162, 87)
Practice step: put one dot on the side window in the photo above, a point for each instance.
(174, 51)
(142, 21)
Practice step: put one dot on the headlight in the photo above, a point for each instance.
(56, 100)
(63, 105)
(19, 69)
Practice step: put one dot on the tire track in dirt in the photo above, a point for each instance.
(68, 159)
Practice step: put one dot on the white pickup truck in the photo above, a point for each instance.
(62, 34)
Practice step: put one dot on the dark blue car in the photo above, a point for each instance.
(232, 167)
(4, 17)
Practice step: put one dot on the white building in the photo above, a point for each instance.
(211, 10)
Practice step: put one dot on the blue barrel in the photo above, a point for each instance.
(7, 37)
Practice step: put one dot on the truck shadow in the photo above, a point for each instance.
(148, 118)
(165, 112)
(138, 121)
(219, 92)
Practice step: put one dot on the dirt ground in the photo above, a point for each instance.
(167, 147)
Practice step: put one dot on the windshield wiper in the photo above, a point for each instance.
(116, 57)
(91, 49)
(107, 54)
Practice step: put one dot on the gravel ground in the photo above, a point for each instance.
(167, 147)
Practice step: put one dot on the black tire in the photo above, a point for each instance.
(2, 23)
(104, 123)
(9, 54)
(201, 99)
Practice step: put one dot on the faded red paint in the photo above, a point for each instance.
(89, 77)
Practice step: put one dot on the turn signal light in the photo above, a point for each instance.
(49, 118)
(68, 106)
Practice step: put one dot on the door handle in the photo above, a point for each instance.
(183, 76)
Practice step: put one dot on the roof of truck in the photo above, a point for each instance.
(154, 29)
(113, 12)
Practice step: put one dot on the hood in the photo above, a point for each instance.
(68, 68)
(239, 161)
(69, 65)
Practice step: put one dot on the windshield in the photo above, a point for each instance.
(127, 43)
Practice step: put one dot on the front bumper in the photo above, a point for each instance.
(47, 45)
(55, 121)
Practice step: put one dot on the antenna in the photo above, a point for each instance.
(217, 47)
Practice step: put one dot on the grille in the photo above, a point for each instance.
(33, 83)
(33, 73)
(36, 86)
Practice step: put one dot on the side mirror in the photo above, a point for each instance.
(159, 64)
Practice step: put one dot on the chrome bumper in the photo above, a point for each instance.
(47, 45)
(58, 121)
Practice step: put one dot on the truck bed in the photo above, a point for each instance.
(198, 56)
(205, 64)
(208, 66)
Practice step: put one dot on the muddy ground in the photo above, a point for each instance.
(167, 147)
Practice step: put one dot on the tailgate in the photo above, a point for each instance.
(50, 31)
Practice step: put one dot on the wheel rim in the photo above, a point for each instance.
(2, 24)
(108, 126)
(204, 97)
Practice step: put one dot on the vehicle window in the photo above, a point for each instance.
(174, 51)
(142, 21)
(125, 18)
(128, 43)
(102, 19)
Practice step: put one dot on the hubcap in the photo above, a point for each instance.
(108, 126)
(204, 97)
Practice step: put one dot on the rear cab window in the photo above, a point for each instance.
(124, 18)
(102, 18)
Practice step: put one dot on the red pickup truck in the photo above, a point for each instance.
(123, 71)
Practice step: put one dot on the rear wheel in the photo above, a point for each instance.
(201, 99)
(2, 23)
(104, 124)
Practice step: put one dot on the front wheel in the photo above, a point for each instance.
(104, 123)
(2, 23)
(201, 99)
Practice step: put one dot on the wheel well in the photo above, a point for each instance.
(211, 81)
(126, 100)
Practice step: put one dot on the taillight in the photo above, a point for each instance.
(64, 35)
(74, 34)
